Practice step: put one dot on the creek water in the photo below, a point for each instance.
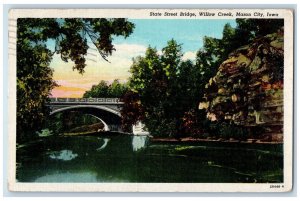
(125, 158)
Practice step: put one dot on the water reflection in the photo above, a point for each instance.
(65, 155)
(106, 140)
(138, 142)
(125, 158)
(69, 177)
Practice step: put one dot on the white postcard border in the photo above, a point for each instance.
(286, 14)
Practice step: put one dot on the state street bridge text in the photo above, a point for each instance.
(212, 14)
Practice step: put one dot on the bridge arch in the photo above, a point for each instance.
(109, 117)
(106, 127)
(87, 106)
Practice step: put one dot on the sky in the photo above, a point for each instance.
(147, 32)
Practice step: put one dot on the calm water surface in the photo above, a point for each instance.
(123, 158)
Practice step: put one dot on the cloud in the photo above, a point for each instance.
(191, 38)
(189, 56)
(123, 50)
(130, 50)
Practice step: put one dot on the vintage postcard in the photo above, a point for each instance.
(151, 100)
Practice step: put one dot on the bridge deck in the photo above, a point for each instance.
(92, 101)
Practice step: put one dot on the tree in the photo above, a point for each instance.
(97, 91)
(149, 81)
(169, 89)
(103, 90)
(132, 110)
(117, 89)
(166, 86)
(256, 28)
(34, 83)
(34, 76)
(215, 50)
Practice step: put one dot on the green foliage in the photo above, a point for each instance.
(56, 123)
(167, 87)
(193, 123)
(226, 131)
(132, 110)
(34, 83)
(103, 90)
(170, 89)
(100, 90)
(117, 89)
(151, 79)
(71, 35)
(255, 28)
(215, 51)
(34, 76)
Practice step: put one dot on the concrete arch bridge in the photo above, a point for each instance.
(107, 110)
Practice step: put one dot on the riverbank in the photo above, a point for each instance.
(177, 140)
(191, 139)
(95, 133)
(97, 130)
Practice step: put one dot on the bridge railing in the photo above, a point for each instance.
(85, 100)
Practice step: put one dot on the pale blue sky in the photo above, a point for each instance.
(187, 32)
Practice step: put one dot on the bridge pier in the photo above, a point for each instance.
(107, 110)
(139, 129)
